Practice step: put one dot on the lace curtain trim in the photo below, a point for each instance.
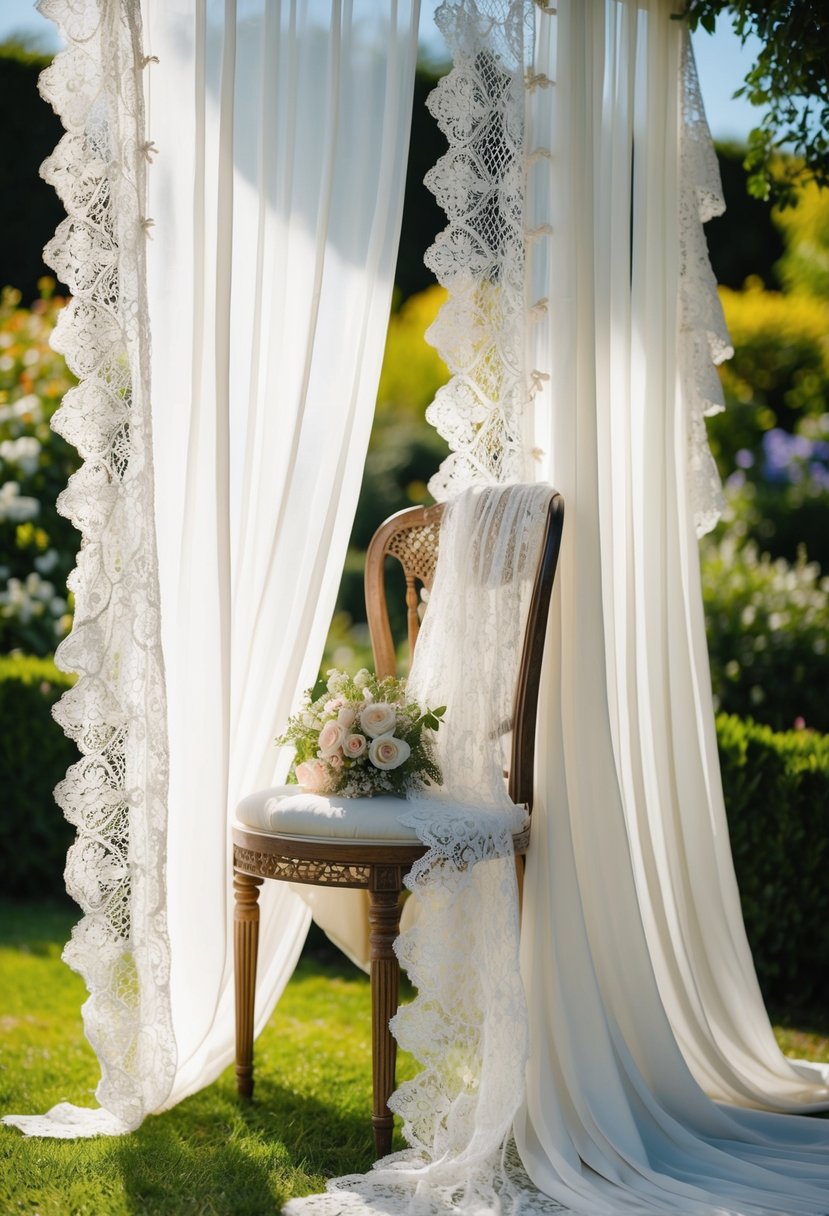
(479, 256)
(115, 795)
(703, 336)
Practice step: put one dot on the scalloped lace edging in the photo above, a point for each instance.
(703, 336)
(479, 256)
(115, 795)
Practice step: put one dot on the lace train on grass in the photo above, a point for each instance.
(467, 1025)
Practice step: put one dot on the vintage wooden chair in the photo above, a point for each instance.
(378, 861)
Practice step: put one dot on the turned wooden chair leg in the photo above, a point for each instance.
(384, 926)
(245, 947)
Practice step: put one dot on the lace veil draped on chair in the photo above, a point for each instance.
(468, 1024)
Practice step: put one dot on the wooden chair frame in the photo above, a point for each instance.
(411, 537)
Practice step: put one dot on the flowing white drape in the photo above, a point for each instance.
(632, 939)
(623, 295)
(269, 303)
(278, 137)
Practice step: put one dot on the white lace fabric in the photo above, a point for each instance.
(703, 337)
(115, 795)
(468, 1022)
(479, 257)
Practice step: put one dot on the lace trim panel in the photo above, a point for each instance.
(704, 340)
(479, 256)
(115, 795)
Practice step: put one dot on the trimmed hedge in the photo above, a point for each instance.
(34, 755)
(776, 791)
(777, 795)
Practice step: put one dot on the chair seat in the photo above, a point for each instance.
(286, 810)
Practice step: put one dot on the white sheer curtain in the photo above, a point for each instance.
(624, 304)
(632, 940)
(278, 135)
(277, 195)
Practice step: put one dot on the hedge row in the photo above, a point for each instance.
(777, 794)
(776, 790)
(34, 755)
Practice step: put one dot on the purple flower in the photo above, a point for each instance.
(790, 459)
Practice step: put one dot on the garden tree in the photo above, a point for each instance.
(29, 208)
(804, 266)
(423, 218)
(772, 442)
(791, 79)
(744, 242)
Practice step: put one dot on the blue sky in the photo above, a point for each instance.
(721, 62)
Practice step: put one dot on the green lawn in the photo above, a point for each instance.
(210, 1155)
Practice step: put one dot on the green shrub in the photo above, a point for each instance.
(34, 755)
(768, 635)
(777, 796)
(782, 520)
(779, 375)
(37, 544)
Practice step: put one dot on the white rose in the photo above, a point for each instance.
(330, 740)
(386, 752)
(346, 716)
(314, 776)
(379, 718)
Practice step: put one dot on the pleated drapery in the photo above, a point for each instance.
(640, 983)
(277, 197)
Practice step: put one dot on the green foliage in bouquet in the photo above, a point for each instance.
(362, 737)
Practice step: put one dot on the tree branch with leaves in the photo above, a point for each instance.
(790, 79)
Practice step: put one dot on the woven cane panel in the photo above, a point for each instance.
(417, 551)
(294, 869)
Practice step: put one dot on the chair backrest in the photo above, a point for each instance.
(412, 537)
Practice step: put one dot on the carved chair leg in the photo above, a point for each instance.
(245, 947)
(384, 926)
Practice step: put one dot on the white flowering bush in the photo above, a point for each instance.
(767, 622)
(37, 545)
(362, 737)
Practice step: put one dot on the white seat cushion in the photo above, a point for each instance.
(290, 811)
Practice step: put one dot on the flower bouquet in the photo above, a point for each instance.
(363, 737)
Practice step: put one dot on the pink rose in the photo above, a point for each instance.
(387, 752)
(331, 738)
(313, 776)
(354, 746)
(379, 718)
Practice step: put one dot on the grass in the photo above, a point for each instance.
(210, 1155)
